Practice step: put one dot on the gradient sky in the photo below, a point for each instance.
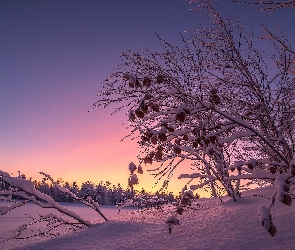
(53, 56)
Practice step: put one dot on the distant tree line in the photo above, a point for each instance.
(103, 193)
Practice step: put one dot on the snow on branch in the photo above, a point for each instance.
(256, 174)
(53, 225)
(269, 5)
(252, 163)
(94, 205)
(196, 175)
(195, 187)
(26, 190)
(270, 35)
(5, 209)
(237, 135)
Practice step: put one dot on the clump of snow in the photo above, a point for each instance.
(129, 77)
(139, 169)
(292, 167)
(282, 189)
(266, 220)
(4, 209)
(21, 228)
(133, 180)
(172, 220)
(132, 167)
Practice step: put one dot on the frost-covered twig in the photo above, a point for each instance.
(52, 226)
(94, 205)
(26, 189)
(269, 5)
(5, 209)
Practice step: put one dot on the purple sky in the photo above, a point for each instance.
(53, 56)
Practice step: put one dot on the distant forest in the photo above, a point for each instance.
(103, 193)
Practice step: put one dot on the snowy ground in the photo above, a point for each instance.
(215, 226)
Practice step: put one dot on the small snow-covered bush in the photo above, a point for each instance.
(172, 220)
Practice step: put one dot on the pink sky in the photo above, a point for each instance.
(80, 152)
(54, 55)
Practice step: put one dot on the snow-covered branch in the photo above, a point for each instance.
(94, 205)
(26, 191)
(269, 5)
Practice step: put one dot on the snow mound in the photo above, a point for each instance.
(208, 225)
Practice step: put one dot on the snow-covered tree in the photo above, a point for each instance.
(217, 102)
(87, 190)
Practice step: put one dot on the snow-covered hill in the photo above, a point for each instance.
(212, 225)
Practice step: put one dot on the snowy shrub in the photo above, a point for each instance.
(172, 220)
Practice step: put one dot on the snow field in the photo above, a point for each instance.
(217, 226)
